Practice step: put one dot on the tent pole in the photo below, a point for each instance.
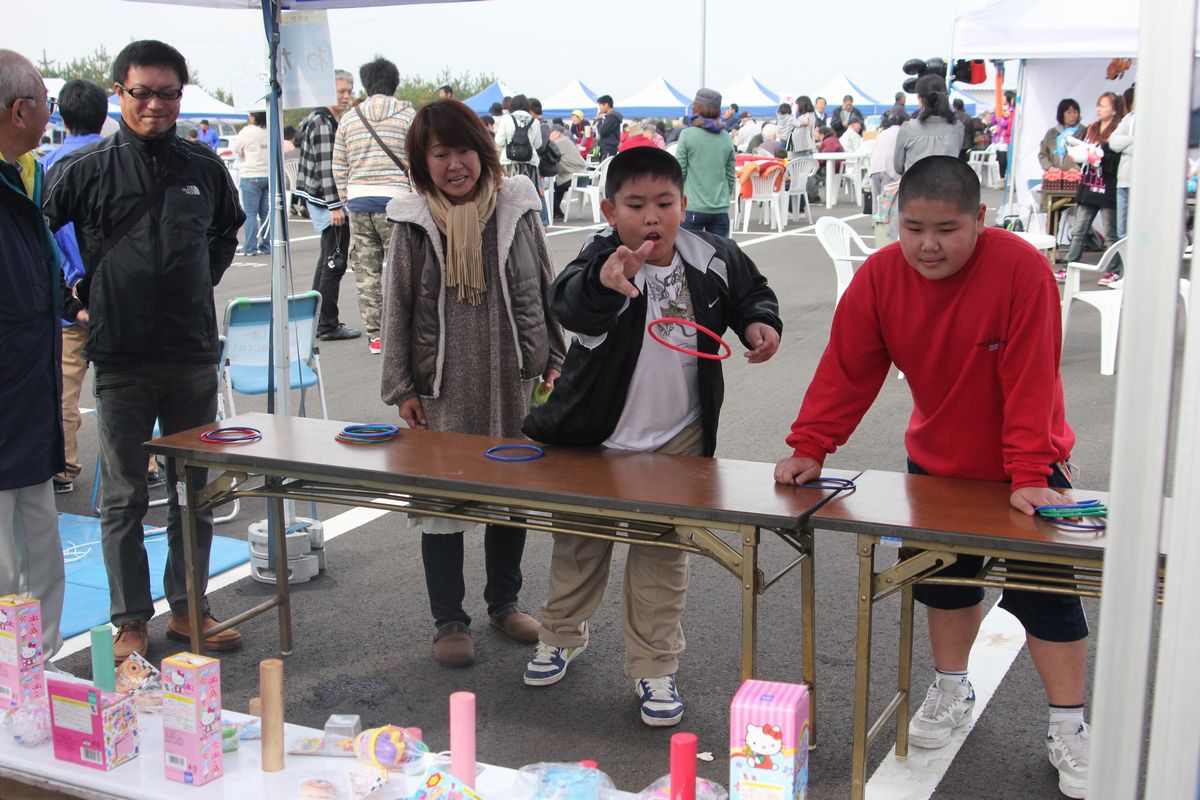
(280, 368)
(1141, 430)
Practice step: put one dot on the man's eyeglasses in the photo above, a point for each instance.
(51, 103)
(142, 93)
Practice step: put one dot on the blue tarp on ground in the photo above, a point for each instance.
(87, 601)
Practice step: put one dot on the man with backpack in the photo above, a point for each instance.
(519, 138)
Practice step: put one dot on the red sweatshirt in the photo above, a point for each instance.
(980, 351)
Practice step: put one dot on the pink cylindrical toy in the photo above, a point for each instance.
(462, 737)
(683, 766)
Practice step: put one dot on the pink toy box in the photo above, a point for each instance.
(92, 727)
(768, 742)
(192, 718)
(21, 674)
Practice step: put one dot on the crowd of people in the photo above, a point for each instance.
(125, 237)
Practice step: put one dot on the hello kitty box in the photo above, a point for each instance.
(22, 676)
(192, 718)
(768, 742)
(90, 726)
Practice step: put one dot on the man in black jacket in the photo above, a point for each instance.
(156, 218)
(608, 126)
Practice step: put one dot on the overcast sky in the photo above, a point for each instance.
(613, 46)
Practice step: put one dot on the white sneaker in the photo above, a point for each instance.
(1068, 746)
(948, 706)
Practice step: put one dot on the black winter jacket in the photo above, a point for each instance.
(31, 434)
(727, 292)
(150, 298)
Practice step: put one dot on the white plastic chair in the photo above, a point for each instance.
(851, 177)
(247, 329)
(593, 192)
(799, 170)
(762, 151)
(1107, 301)
(673, 146)
(839, 241)
(986, 164)
(291, 171)
(764, 193)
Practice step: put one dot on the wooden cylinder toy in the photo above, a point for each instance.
(462, 737)
(255, 707)
(683, 766)
(270, 680)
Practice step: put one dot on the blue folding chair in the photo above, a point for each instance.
(247, 331)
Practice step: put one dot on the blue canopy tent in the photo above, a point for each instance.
(482, 102)
(656, 99)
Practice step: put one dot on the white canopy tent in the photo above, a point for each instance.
(752, 96)
(839, 86)
(656, 99)
(196, 104)
(1065, 54)
(575, 95)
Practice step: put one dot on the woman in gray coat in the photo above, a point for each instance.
(466, 336)
(934, 131)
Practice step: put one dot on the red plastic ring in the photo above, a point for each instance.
(690, 324)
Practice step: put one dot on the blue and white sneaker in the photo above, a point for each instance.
(549, 663)
(662, 706)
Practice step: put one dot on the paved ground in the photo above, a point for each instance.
(363, 629)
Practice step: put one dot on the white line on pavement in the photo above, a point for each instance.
(562, 231)
(1000, 639)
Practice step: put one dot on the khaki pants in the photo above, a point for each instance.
(74, 369)
(652, 599)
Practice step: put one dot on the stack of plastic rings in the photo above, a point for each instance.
(1065, 515)
(534, 452)
(367, 434)
(233, 435)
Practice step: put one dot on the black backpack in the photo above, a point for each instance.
(548, 158)
(520, 148)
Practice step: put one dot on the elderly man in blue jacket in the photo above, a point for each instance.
(31, 437)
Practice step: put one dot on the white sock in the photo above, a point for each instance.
(940, 675)
(1065, 714)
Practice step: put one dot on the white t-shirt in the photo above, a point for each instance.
(664, 393)
(253, 146)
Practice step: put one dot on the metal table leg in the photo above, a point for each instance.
(750, 581)
(283, 598)
(862, 669)
(808, 623)
(184, 476)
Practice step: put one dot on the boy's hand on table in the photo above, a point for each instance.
(764, 339)
(795, 470)
(1028, 498)
(413, 413)
(622, 265)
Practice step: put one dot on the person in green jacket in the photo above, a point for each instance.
(706, 155)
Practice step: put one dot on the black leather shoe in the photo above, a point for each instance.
(339, 333)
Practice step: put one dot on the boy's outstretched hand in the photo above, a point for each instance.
(764, 339)
(796, 470)
(1028, 498)
(618, 271)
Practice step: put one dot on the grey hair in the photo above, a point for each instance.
(342, 75)
(18, 78)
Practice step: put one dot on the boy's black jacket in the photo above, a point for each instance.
(728, 292)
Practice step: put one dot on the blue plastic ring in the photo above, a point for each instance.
(535, 452)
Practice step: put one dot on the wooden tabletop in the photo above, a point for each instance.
(720, 490)
(955, 512)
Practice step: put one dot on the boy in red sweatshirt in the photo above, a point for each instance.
(971, 315)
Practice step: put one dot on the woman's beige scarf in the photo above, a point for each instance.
(462, 225)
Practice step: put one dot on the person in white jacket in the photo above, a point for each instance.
(506, 127)
(1121, 142)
